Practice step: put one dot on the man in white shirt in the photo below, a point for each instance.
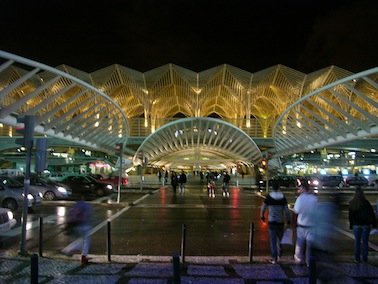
(304, 208)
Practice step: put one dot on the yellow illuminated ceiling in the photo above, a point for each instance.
(108, 106)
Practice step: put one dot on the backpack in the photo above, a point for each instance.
(76, 214)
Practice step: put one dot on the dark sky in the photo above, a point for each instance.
(195, 34)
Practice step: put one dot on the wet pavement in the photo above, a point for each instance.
(136, 265)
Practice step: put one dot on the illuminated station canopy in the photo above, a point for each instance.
(214, 116)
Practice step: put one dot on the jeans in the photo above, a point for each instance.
(303, 244)
(83, 232)
(182, 188)
(361, 233)
(226, 187)
(275, 234)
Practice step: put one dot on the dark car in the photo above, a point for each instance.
(332, 181)
(49, 188)
(282, 180)
(84, 184)
(357, 181)
(312, 180)
(96, 176)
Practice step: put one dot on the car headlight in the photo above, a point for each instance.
(316, 182)
(10, 215)
(30, 197)
(108, 186)
(61, 189)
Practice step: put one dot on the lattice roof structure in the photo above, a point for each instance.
(111, 102)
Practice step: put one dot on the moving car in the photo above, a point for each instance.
(312, 180)
(357, 181)
(87, 185)
(332, 181)
(12, 194)
(282, 180)
(49, 188)
(7, 220)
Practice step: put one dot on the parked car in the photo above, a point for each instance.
(357, 181)
(7, 220)
(332, 181)
(84, 184)
(12, 194)
(49, 188)
(55, 176)
(96, 176)
(113, 179)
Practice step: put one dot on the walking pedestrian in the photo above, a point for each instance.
(182, 183)
(361, 219)
(226, 184)
(174, 181)
(80, 219)
(278, 210)
(211, 186)
(304, 207)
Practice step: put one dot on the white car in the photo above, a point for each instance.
(7, 220)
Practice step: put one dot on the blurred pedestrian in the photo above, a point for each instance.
(304, 208)
(174, 181)
(182, 183)
(211, 186)
(226, 184)
(278, 210)
(79, 217)
(361, 219)
(159, 176)
(325, 243)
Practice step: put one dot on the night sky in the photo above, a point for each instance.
(195, 34)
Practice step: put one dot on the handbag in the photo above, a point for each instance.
(287, 238)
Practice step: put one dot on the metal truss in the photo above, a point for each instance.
(64, 106)
(299, 111)
(198, 141)
(338, 112)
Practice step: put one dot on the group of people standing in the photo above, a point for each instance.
(210, 178)
(178, 180)
(315, 221)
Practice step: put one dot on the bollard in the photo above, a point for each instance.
(34, 269)
(109, 242)
(41, 236)
(312, 270)
(251, 231)
(176, 269)
(183, 243)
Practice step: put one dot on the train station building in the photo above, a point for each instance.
(174, 118)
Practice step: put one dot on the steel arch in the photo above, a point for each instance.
(194, 141)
